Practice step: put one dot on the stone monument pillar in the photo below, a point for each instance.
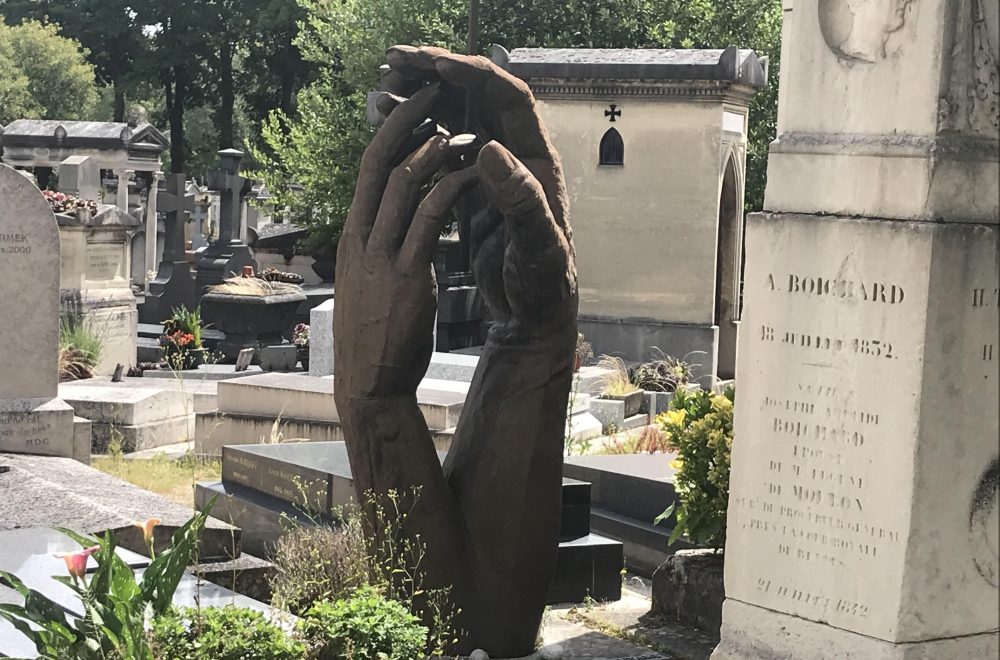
(32, 419)
(173, 285)
(124, 179)
(228, 254)
(151, 226)
(80, 176)
(863, 511)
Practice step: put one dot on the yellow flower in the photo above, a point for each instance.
(676, 416)
(677, 463)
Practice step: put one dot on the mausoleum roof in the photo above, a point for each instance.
(737, 65)
(81, 134)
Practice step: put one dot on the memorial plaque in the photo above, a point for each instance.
(29, 287)
(867, 394)
(105, 261)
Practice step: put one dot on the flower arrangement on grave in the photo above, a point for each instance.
(300, 338)
(584, 351)
(699, 427)
(68, 204)
(180, 342)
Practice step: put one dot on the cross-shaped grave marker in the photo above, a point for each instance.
(231, 187)
(613, 112)
(175, 202)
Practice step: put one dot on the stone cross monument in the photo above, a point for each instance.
(173, 286)
(228, 254)
(863, 512)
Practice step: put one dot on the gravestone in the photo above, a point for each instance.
(96, 280)
(321, 339)
(174, 286)
(32, 419)
(228, 254)
(863, 511)
(80, 176)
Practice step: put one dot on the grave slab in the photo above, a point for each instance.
(321, 339)
(39, 491)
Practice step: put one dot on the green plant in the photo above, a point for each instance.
(664, 373)
(181, 342)
(80, 348)
(314, 564)
(221, 633)
(366, 626)
(615, 382)
(699, 426)
(115, 605)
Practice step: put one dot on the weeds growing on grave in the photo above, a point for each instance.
(324, 562)
(80, 348)
(115, 605)
(699, 427)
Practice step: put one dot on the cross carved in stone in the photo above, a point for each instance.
(175, 202)
(612, 113)
(231, 187)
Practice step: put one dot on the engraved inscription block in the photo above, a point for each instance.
(866, 427)
(105, 261)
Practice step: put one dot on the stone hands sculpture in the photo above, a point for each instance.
(490, 515)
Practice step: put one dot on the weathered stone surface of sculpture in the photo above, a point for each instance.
(490, 516)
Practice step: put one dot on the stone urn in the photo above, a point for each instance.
(250, 321)
(325, 263)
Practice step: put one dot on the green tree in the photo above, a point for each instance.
(43, 75)
(310, 160)
(754, 24)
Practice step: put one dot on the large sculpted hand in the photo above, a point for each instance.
(490, 517)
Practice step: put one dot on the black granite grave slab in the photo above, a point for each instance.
(628, 493)
(589, 566)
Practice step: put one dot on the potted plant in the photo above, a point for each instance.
(617, 385)
(300, 337)
(180, 342)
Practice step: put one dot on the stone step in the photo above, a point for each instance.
(627, 493)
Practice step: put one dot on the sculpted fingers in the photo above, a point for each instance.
(380, 157)
(530, 225)
(431, 216)
(402, 194)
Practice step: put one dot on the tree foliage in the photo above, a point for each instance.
(43, 75)
(310, 160)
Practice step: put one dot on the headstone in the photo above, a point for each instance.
(863, 511)
(174, 286)
(96, 280)
(244, 358)
(228, 254)
(124, 179)
(321, 339)
(80, 176)
(32, 419)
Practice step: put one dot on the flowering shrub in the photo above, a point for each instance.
(699, 427)
(67, 204)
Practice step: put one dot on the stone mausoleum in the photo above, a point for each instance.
(653, 144)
